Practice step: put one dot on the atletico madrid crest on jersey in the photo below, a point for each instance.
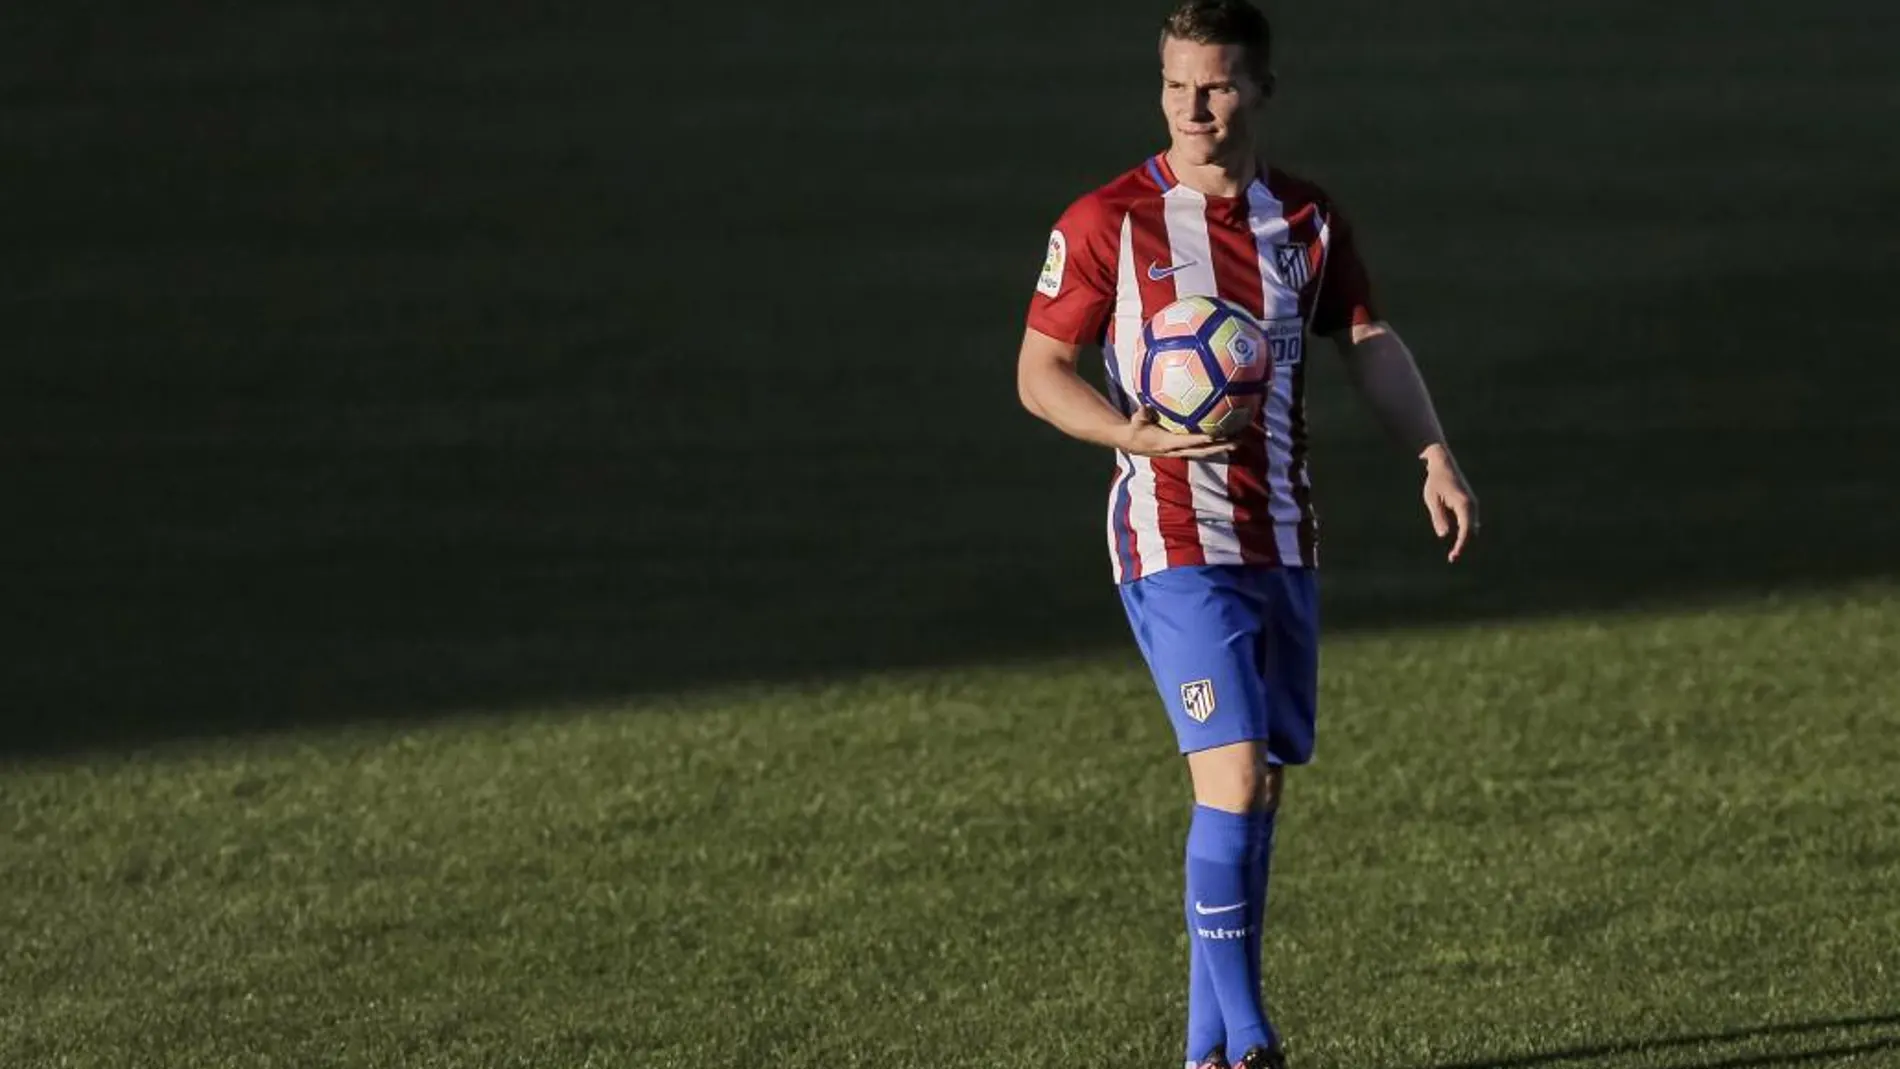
(1290, 262)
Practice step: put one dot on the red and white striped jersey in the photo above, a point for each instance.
(1282, 251)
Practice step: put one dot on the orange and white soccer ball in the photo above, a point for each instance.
(1204, 368)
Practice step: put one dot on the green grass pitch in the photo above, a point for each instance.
(1665, 843)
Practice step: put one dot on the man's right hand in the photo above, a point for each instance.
(1146, 438)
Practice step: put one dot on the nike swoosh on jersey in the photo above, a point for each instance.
(1158, 273)
(1207, 911)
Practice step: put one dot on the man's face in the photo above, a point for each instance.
(1210, 100)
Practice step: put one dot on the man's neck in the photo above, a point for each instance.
(1221, 178)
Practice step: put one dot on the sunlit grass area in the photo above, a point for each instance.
(1580, 835)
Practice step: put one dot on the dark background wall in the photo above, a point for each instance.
(366, 360)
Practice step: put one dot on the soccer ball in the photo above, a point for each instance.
(1204, 367)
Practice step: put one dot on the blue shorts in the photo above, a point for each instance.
(1234, 650)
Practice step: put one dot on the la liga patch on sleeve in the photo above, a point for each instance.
(1050, 284)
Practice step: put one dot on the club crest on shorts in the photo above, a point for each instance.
(1290, 262)
(1197, 698)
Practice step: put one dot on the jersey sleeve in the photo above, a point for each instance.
(1345, 293)
(1076, 290)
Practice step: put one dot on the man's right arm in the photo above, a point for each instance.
(1053, 391)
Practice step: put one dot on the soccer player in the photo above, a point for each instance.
(1214, 543)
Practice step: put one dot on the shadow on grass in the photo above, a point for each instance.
(1610, 1052)
(372, 370)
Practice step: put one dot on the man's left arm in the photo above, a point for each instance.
(1383, 372)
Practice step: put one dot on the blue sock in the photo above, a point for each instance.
(1259, 867)
(1205, 1028)
(1221, 910)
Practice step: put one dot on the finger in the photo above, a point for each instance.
(1193, 441)
(1181, 445)
(1167, 441)
(1461, 508)
(1214, 450)
(1435, 508)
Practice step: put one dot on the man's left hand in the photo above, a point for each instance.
(1448, 498)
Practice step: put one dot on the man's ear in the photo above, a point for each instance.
(1267, 85)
